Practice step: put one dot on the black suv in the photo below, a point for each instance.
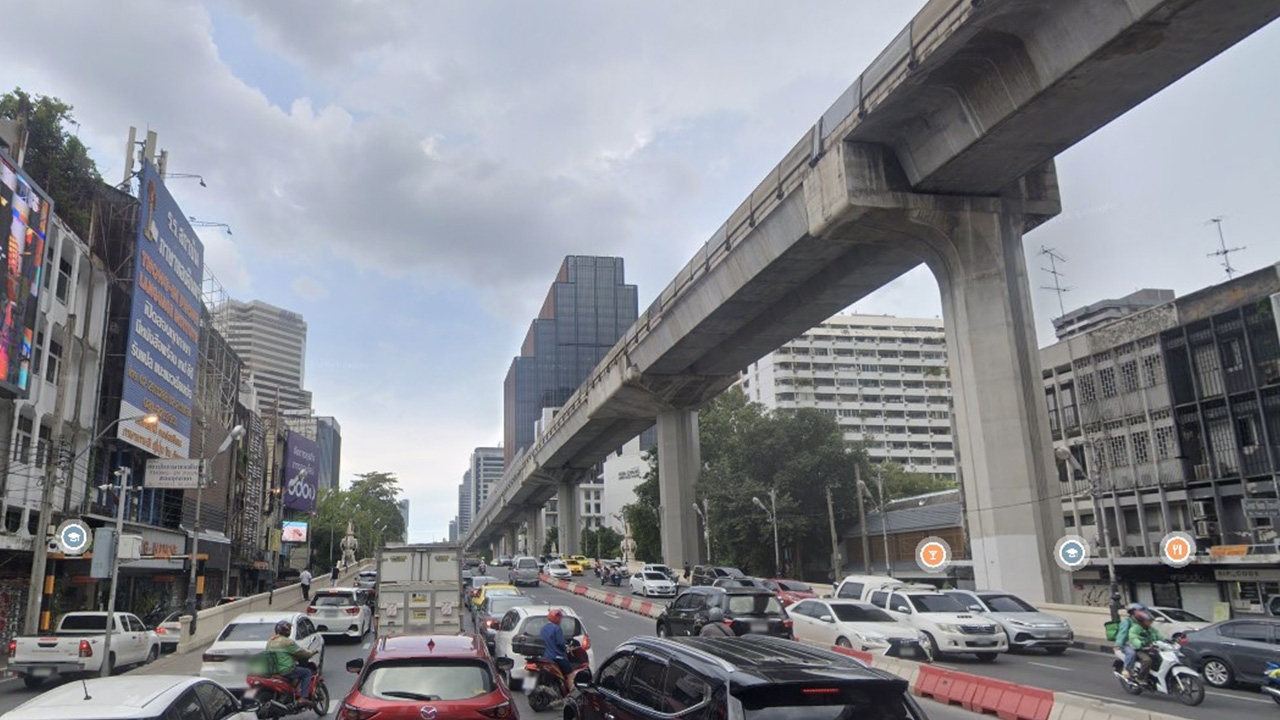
(750, 678)
(707, 574)
(748, 611)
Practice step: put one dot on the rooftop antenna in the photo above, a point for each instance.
(1057, 287)
(1223, 251)
(87, 696)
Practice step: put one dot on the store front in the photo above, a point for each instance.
(217, 565)
(157, 582)
(1251, 590)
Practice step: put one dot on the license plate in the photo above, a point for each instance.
(40, 672)
(1058, 634)
(907, 652)
(760, 626)
(983, 643)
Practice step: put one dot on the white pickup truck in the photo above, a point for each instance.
(77, 647)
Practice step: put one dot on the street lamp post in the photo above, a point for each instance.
(40, 545)
(772, 513)
(1095, 491)
(704, 512)
(193, 588)
(123, 474)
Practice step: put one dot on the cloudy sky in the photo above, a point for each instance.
(409, 175)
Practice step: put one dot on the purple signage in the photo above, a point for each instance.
(301, 472)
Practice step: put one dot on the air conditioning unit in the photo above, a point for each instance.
(1201, 509)
(1206, 528)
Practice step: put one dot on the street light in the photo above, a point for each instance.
(124, 474)
(1095, 492)
(40, 559)
(884, 516)
(772, 513)
(193, 590)
(705, 514)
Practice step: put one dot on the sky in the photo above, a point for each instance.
(409, 176)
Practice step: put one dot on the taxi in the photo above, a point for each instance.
(494, 589)
(574, 566)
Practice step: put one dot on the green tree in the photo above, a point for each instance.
(902, 483)
(553, 537)
(601, 542)
(642, 515)
(369, 504)
(55, 158)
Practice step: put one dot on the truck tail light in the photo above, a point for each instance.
(13, 647)
(211, 658)
(311, 610)
(161, 631)
(501, 710)
(86, 650)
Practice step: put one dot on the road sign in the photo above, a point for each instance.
(73, 538)
(1261, 507)
(173, 474)
(105, 539)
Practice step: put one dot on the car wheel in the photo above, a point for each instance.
(1218, 673)
(1057, 650)
(663, 631)
(152, 654)
(844, 643)
(111, 664)
(931, 647)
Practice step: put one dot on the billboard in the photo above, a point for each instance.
(293, 531)
(25, 212)
(173, 474)
(301, 472)
(164, 324)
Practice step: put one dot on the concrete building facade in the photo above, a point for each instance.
(885, 379)
(486, 469)
(1081, 320)
(464, 503)
(329, 438)
(272, 342)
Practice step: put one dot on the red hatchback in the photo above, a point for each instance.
(790, 591)
(428, 677)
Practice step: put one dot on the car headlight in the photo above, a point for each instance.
(873, 638)
(944, 627)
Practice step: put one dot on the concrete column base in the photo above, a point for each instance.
(567, 518)
(679, 466)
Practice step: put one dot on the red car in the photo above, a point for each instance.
(790, 591)
(431, 677)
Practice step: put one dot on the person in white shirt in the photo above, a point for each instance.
(305, 579)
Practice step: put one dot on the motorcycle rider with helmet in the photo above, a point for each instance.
(1142, 635)
(1122, 637)
(288, 658)
(556, 648)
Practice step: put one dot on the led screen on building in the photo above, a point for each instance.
(164, 324)
(25, 212)
(301, 472)
(293, 531)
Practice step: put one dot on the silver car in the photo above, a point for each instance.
(524, 571)
(1025, 625)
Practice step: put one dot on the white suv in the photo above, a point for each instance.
(947, 625)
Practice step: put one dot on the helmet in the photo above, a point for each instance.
(284, 627)
(1142, 618)
(715, 615)
(555, 615)
(1135, 607)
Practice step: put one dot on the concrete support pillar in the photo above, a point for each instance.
(509, 541)
(567, 515)
(535, 533)
(1011, 490)
(679, 464)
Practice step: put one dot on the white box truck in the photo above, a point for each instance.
(420, 589)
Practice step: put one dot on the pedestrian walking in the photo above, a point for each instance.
(305, 579)
(686, 571)
(333, 577)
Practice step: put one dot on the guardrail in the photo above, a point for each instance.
(926, 31)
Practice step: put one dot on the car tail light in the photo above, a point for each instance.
(86, 650)
(161, 631)
(353, 611)
(491, 622)
(311, 610)
(820, 691)
(351, 712)
(13, 647)
(786, 624)
(586, 641)
(501, 710)
(1181, 641)
(209, 657)
(531, 666)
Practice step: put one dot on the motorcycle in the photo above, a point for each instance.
(1167, 675)
(274, 696)
(549, 684)
(1272, 687)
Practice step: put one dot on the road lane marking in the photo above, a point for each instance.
(365, 646)
(1103, 698)
(1051, 667)
(613, 614)
(598, 627)
(1233, 696)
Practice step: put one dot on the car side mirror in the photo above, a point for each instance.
(248, 704)
(582, 679)
(903, 609)
(1163, 620)
(355, 666)
(504, 663)
(827, 619)
(975, 608)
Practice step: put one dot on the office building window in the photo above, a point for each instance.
(55, 359)
(1087, 391)
(1141, 449)
(1119, 452)
(22, 448)
(64, 279)
(1164, 443)
(1129, 376)
(1152, 371)
(1107, 380)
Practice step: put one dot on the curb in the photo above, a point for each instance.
(975, 693)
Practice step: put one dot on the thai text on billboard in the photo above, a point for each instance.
(25, 212)
(173, 474)
(164, 324)
(301, 472)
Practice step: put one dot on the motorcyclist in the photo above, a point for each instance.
(1142, 635)
(555, 647)
(288, 658)
(1122, 637)
(716, 626)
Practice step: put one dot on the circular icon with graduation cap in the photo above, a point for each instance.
(74, 537)
(1071, 553)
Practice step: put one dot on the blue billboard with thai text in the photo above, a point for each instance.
(164, 325)
(301, 472)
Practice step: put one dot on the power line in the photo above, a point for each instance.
(1223, 251)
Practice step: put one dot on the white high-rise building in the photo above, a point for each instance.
(272, 342)
(885, 379)
(486, 469)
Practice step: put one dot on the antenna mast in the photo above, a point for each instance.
(1223, 251)
(1057, 287)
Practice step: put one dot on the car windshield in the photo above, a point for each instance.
(556, 566)
(479, 580)
(1177, 615)
(1008, 604)
(497, 591)
(246, 632)
(730, 572)
(794, 586)
(753, 605)
(534, 625)
(419, 680)
(859, 613)
(333, 600)
(936, 603)
(500, 605)
(656, 576)
(527, 564)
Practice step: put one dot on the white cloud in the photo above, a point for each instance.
(309, 288)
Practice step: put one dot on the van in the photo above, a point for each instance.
(524, 571)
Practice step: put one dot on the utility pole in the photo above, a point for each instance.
(40, 543)
(884, 520)
(862, 518)
(124, 474)
(835, 541)
(1100, 512)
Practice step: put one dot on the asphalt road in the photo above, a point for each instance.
(1076, 671)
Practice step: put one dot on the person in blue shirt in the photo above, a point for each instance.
(556, 648)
